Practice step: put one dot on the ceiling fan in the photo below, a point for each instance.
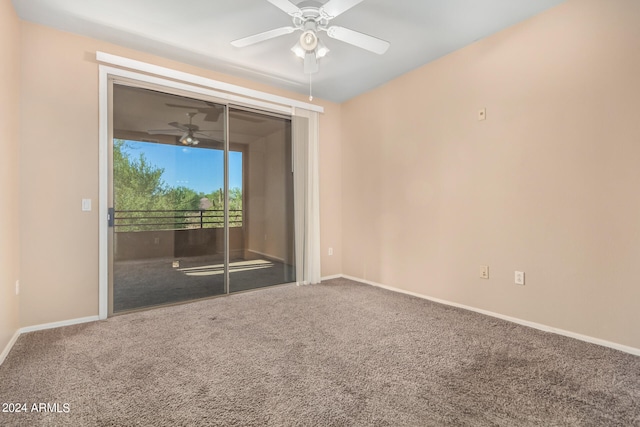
(311, 17)
(211, 111)
(187, 131)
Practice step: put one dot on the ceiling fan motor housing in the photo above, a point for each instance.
(309, 26)
(310, 18)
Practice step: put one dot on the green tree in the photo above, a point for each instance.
(138, 188)
(181, 199)
(235, 207)
(143, 200)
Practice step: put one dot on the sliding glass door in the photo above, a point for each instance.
(202, 199)
(262, 253)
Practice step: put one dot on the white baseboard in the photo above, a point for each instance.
(539, 326)
(275, 258)
(335, 276)
(9, 346)
(42, 327)
(58, 324)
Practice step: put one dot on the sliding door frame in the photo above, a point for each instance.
(171, 81)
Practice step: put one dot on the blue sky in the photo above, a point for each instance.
(200, 169)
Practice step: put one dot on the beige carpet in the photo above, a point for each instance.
(335, 354)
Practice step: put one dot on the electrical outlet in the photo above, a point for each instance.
(330, 251)
(519, 278)
(17, 287)
(482, 114)
(484, 271)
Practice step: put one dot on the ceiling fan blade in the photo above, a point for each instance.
(334, 8)
(260, 37)
(179, 126)
(208, 133)
(211, 113)
(361, 40)
(165, 132)
(194, 131)
(286, 6)
(310, 63)
(211, 116)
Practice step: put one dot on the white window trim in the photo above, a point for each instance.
(148, 73)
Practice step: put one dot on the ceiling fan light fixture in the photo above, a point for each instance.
(321, 50)
(189, 139)
(298, 50)
(308, 40)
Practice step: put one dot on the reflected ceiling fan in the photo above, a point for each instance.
(187, 131)
(213, 111)
(311, 17)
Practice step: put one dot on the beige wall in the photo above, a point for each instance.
(59, 167)
(548, 184)
(9, 157)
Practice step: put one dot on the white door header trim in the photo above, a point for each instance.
(227, 88)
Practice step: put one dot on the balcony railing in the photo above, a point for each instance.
(153, 220)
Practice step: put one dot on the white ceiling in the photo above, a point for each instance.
(199, 32)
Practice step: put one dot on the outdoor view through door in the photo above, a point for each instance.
(185, 226)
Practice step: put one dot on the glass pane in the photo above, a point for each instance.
(261, 246)
(168, 198)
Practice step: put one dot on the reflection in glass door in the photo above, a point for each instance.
(262, 247)
(177, 233)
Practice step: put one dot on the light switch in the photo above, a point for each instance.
(484, 271)
(86, 205)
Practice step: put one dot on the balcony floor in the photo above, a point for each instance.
(145, 283)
